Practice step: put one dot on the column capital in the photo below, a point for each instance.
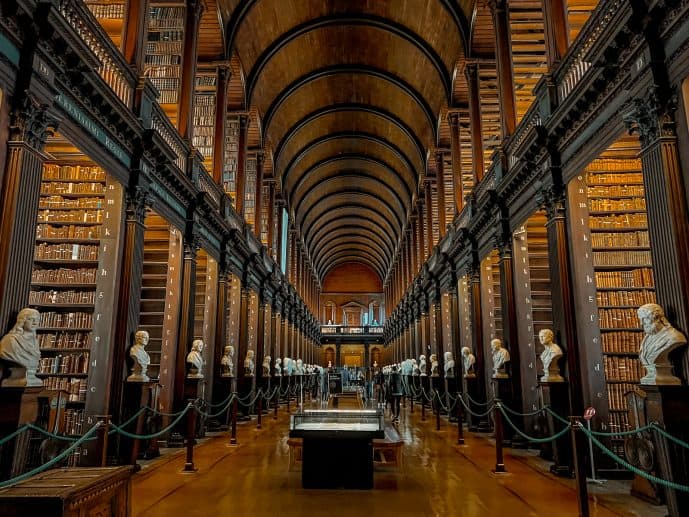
(136, 199)
(32, 123)
(651, 116)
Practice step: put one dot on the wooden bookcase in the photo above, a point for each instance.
(204, 114)
(229, 173)
(250, 191)
(490, 308)
(110, 14)
(464, 298)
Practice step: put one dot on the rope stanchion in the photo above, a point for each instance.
(460, 427)
(89, 435)
(233, 427)
(476, 403)
(667, 435)
(499, 458)
(191, 433)
(176, 421)
(477, 415)
(102, 439)
(579, 474)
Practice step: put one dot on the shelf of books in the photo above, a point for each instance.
(250, 191)
(229, 173)
(110, 15)
(205, 303)
(204, 114)
(164, 46)
(491, 308)
(71, 277)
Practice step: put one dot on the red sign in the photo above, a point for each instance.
(589, 413)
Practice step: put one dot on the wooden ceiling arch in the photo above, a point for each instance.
(336, 227)
(349, 260)
(347, 250)
(353, 238)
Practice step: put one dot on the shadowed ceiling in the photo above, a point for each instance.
(349, 93)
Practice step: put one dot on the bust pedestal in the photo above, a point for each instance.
(669, 406)
(136, 396)
(476, 424)
(502, 389)
(246, 394)
(437, 384)
(19, 407)
(556, 395)
(451, 390)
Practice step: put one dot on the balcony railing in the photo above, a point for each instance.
(347, 330)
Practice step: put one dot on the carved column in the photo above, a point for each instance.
(503, 54)
(186, 321)
(261, 335)
(241, 165)
(185, 115)
(440, 182)
(220, 121)
(271, 222)
(472, 76)
(134, 33)
(556, 30)
(243, 337)
(421, 242)
(19, 197)
(454, 323)
(221, 386)
(258, 201)
(455, 147)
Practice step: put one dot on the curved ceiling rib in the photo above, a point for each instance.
(382, 244)
(365, 215)
(348, 250)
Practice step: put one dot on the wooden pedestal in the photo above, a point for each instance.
(451, 391)
(476, 424)
(556, 395)
(136, 396)
(502, 389)
(19, 407)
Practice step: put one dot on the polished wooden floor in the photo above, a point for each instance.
(438, 478)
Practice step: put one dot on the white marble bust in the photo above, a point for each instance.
(227, 362)
(278, 367)
(287, 366)
(449, 365)
(19, 348)
(500, 356)
(422, 366)
(195, 360)
(468, 361)
(415, 368)
(661, 338)
(249, 366)
(299, 370)
(550, 357)
(140, 357)
(434, 366)
(266, 366)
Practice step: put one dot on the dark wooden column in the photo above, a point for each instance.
(19, 197)
(219, 393)
(186, 321)
(134, 33)
(129, 296)
(220, 122)
(477, 326)
(243, 337)
(455, 347)
(241, 165)
(438, 327)
(503, 54)
(429, 217)
(271, 221)
(653, 118)
(274, 337)
(284, 335)
(425, 328)
(440, 182)
(556, 30)
(261, 334)
(258, 202)
(455, 147)
(185, 115)
(421, 243)
(471, 72)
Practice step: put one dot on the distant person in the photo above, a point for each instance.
(395, 392)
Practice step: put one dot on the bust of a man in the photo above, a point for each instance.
(500, 357)
(468, 361)
(227, 362)
(415, 368)
(249, 366)
(195, 360)
(140, 357)
(550, 357)
(266, 366)
(422, 365)
(287, 366)
(434, 366)
(300, 367)
(661, 338)
(278, 367)
(19, 349)
(449, 365)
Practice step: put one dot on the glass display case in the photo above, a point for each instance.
(337, 423)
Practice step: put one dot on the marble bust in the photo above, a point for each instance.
(500, 357)
(249, 366)
(19, 349)
(227, 362)
(287, 366)
(265, 367)
(278, 367)
(550, 357)
(422, 366)
(660, 339)
(300, 368)
(434, 366)
(140, 357)
(468, 361)
(449, 365)
(415, 368)
(195, 360)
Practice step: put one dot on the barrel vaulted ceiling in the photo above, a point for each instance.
(349, 95)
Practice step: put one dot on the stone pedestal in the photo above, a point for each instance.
(136, 396)
(669, 407)
(556, 395)
(438, 384)
(19, 406)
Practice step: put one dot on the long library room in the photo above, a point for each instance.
(317, 258)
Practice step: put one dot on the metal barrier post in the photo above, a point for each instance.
(102, 439)
(191, 433)
(579, 473)
(460, 417)
(499, 459)
(260, 408)
(233, 425)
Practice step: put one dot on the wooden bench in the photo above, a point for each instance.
(387, 452)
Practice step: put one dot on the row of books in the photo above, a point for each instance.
(64, 276)
(204, 126)
(167, 34)
(154, 48)
(623, 341)
(616, 395)
(66, 320)
(618, 423)
(76, 389)
(69, 363)
(157, 72)
(627, 298)
(611, 205)
(47, 297)
(622, 368)
(70, 216)
(622, 258)
(161, 59)
(642, 277)
(628, 168)
(620, 239)
(168, 96)
(204, 103)
(618, 318)
(616, 191)
(74, 421)
(48, 231)
(67, 251)
(106, 11)
(60, 187)
(65, 340)
(53, 171)
(52, 202)
(619, 221)
(206, 80)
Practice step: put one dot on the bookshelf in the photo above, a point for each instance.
(204, 114)
(435, 222)
(464, 298)
(250, 191)
(490, 306)
(163, 58)
(229, 173)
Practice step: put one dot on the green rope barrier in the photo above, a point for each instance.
(667, 435)
(153, 435)
(53, 435)
(629, 466)
(214, 415)
(478, 415)
(530, 413)
(210, 405)
(557, 435)
(486, 403)
(556, 416)
(258, 394)
(19, 431)
(623, 433)
(54, 461)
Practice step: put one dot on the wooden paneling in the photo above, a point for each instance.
(351, 278)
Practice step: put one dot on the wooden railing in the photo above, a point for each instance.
(207, 185)
(531, 119)
(162, 125)
(113, 68)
